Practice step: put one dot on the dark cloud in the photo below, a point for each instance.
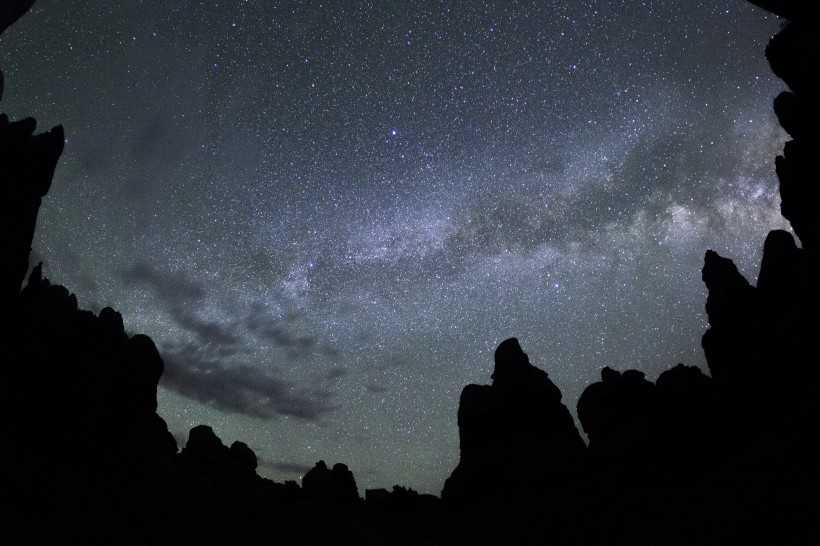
(330, 352)
(180, 294)
(287, 468)
(183, 296)
(157, 144)
(280, 333)
(194, 373)
(172, 288)
(210, 368)
(280, 337)
(335, 373)
(208, 332)
(375, 389)
(156, 141)
(511, 222)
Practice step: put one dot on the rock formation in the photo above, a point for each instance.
(27, 163)
(516, 437)
(11, 10)
(761, 345)
(79, 382)
(793, 56)
(336, 485)
(619, 415)
(733, 344)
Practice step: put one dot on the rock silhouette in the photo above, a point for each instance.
(732, 345)
(515, 435)
(799, 114)
(28, 162)
(335, 485)
(618, 414)
(12, 10)
(761, 346)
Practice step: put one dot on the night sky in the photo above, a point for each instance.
(327, 215)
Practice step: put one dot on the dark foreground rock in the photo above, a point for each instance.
(517, 439)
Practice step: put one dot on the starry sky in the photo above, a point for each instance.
(327, 215)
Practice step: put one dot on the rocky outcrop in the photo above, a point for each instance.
(225, 475)
(651, 446)
(516, 437)
(83, 395)
(762, 340)
(27, 163)
(763, 413)
(632, 422)
(686, 408)
(793, 57)
(733, 344)
(11, 10)
(619, 414)
(336, 485)
(761, 346)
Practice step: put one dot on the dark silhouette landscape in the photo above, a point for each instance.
(725, 458)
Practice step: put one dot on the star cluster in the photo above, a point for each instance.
(328, 215)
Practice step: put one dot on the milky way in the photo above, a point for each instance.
(328, 215)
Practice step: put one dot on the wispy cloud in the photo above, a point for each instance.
(287, 468)
(173, 288)
(242, 388)
(213, 366)
(280, 334)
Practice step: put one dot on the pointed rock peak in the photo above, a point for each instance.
(509, 359)
(720, 272)
(36, 276)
